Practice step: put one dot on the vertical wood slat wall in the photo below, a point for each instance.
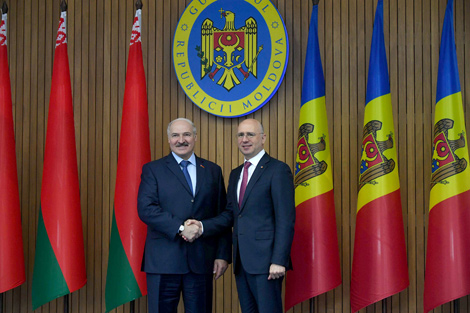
(98, 38)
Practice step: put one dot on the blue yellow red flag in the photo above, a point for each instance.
(447, 274)
(315, 253)
(380, 266)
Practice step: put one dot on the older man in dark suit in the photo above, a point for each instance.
(174, 189)
(261, 206)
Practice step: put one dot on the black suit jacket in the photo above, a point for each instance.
(263, 227)
(165, 202)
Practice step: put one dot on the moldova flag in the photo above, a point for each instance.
(59, 263)
(380, 266)
(447, 274)
(315, 254)
(124, 280)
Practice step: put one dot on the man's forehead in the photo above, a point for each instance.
(180, 127)
(249, 126)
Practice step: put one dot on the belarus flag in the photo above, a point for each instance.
(124, 280)
(59, 264)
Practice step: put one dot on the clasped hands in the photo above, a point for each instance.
(192, 230)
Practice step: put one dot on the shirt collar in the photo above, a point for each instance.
(255, 160)
(191, 159)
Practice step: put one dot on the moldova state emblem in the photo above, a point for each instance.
(229, 49)
(373, 162)
(445, 163)
(230, 56)
(308, 166)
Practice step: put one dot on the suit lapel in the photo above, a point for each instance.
(200, 174)
(176, 169)
(260, 168)
(235, 177)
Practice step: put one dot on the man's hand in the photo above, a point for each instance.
(276, 271)
(220, 266)
(192, 230)
(192, 222)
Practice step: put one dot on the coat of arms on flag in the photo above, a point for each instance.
(373, 162)
(230, 56)
(307, 165)
(445, 162)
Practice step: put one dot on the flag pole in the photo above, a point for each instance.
(138, 6)
(4, 11)
(456, 303)
(384, 305)
(312, 300)
(66, 303)
(63, 8)
(132, 304)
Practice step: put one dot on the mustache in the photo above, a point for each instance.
(184, 144)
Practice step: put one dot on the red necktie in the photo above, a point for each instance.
(244, 183)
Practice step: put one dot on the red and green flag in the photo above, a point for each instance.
(12, 273)
(314, 252)
(380, 267)
(124, 280)
(59, 263)
(447, 275)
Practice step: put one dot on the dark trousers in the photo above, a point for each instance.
(164, 292)
(257, 294)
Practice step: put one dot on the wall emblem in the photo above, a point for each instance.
(308, 166)
(373, 161)
(445, 163)
(230, 56)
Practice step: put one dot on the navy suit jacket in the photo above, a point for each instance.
(165, 202)
(263, 226)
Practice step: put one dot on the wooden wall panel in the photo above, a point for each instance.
(98, 39)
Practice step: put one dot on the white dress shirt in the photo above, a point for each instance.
(254, 163)
(191, 168)
(192, 173)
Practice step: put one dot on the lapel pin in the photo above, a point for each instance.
(261, 166)
(202, 166)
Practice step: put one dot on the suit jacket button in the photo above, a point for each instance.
(240, 216)
(192, 200)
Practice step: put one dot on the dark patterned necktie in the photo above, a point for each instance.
(244, 183)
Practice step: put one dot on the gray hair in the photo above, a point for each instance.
(181, 119)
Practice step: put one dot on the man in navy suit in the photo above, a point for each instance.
(264, 217)
(173, 189)
(261, 206)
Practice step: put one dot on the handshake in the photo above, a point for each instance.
(192, 230)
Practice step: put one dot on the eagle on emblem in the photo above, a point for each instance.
(373, 162)
(307, 165)
(445, 162)
(229, 49)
